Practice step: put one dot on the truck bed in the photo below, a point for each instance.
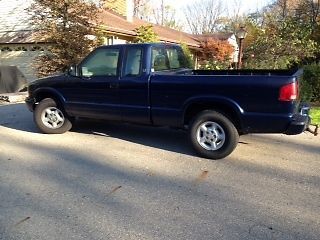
(250, 72)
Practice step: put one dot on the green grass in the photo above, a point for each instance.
(315, 114)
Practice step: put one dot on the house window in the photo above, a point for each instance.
(37, 48)
(6, 49)
(21, 48)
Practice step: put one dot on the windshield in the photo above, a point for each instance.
(166, 58)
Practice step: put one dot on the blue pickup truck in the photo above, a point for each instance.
(151, 84)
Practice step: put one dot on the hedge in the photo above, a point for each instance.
(310, 83)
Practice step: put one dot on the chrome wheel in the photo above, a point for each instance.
(52, 118)
(211, 136)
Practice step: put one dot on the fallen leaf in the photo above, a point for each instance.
(201, 177)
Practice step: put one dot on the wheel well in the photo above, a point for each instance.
(224, 109)
(42, 95)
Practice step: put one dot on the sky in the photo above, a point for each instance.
(247, 5)
(8, 7)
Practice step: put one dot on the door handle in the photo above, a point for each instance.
(114, 85)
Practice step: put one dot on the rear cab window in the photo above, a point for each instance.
(133, 62)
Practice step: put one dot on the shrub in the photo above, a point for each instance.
(216, 54)
(310, 84)
(146, 34)
(188, 55)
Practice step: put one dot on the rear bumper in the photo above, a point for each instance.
(30, 102)
(300, 122)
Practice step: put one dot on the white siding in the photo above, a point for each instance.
(233, 41)
(14, 16)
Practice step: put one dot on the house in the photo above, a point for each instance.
(18, 46)
(121, 30)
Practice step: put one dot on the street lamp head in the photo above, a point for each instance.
(242, 33)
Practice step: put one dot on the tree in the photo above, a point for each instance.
(165, 16)
(235, 18)
(189, 57)
(215, 54)
(280, 45)
(309, 12)
(139, 9)
(162, 13)
(310, 88)
(204, 16)
(146, 34)
(71, 27)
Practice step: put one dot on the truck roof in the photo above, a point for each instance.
(140, 44)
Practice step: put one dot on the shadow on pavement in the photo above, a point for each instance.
(50, 190)
(157, 137)
(72, 193)
(289, 143)
(19, 118)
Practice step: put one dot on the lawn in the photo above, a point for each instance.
(315, 114)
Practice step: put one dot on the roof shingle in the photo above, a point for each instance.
(118, 24)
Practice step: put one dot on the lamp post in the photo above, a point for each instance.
(241, 35)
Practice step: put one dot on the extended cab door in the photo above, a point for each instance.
(133, 86)
(95, 94)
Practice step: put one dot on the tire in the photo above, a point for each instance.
(51, 118)
(213, 135)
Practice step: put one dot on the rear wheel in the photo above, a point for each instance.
(50, 118)
(213, 135)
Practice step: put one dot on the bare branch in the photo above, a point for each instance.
(204, 16)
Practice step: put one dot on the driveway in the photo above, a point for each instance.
(118, 181)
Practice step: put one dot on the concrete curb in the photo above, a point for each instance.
(13, 97)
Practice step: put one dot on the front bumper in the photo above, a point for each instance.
(30, 102)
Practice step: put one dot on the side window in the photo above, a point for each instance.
(133, 62)
(102, 62)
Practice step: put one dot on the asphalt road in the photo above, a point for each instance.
(117, 181)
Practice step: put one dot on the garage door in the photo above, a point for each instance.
(22, 57)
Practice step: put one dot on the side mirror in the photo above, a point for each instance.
(73, 71)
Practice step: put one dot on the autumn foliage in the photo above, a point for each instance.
(215, 54)
(69, 25)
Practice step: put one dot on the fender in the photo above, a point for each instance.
(214, 99)
(51, 92)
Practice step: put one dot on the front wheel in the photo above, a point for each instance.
(50, 118)
(213, 135)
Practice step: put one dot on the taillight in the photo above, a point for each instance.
(289, 92)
